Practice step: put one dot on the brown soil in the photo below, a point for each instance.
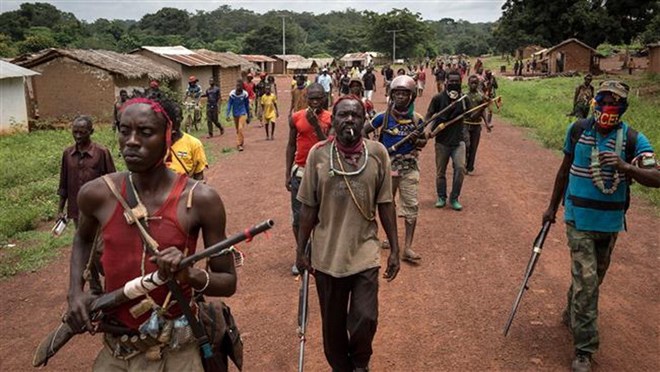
(446, 314)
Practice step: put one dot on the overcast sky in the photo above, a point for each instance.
(89, 10)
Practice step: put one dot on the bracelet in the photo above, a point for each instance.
(208, 280)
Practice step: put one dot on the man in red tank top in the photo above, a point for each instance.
(305, 126)
(144, 141)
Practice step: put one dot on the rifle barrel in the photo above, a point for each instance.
(531, 265)
(442, 126)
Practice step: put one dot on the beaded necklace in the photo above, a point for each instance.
(595, 167)
(334, 171)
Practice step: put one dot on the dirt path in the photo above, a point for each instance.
(445, 315)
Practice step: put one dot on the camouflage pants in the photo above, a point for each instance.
(590, 258)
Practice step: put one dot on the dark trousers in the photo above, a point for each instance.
(212, 119)
(349, 313)
(474, 135)
(442, 155)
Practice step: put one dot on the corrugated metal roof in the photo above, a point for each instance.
(354, 57)
(182, 55)
(9, 70)
(258, 58)
(303, 64)
(289, 57)
(225, 60)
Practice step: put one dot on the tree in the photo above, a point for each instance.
(413, 31)
(7, 48)
(167, 21)
(266, 40)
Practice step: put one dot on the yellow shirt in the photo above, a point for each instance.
(189, 151)
(268, 103)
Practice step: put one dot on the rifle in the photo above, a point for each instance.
(56, 339)
(442, 126)
(303, 297)
(420, 129)
(536, 253)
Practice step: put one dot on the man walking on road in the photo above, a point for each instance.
(298, 95)
(176, 215)
(326, 81)
(369, 82)
(239, 106)
(473, 122)
(187, 153)
(602, 154)
(388, 75)
(397, 123)
(212, 95)
(306, 127)
(347, 178)
(449, 142)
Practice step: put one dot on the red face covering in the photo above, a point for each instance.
(607, 116)
(155, 107)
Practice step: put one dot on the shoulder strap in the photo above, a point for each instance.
(314, 121)
(631, 144)
(576, 131)
(188, 172)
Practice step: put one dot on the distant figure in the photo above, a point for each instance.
(187, 154)
(584, 93)
(326, 81)
(212, 101)
(421, 81)
(298, 95)
(515, 67)
(123, 97)
(239, 107)
(369, 82)
(269, 112)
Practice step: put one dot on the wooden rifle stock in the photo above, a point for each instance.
(54, 341)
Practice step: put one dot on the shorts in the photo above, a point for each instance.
(407, 185)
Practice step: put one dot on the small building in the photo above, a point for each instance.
(184, 61)
(14, 97)
(378, 58)
(356, 59)
(654, 58)
(282, 61)
(265, 63)
(78, 81)
(572, 55)
(527, 51)
(324, 63)
(230, 70)
(303, 66)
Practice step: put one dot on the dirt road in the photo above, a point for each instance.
(446, 314)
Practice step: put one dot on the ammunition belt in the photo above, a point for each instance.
(403, 163)
(174, 334)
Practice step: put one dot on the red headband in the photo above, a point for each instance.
(155, 107)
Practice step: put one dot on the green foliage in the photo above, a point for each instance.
(31, 250)
(412, 32)
(546, 23)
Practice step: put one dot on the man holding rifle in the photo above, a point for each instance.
(397, 122)
(346, 179)
(602, 154)
(449, 143)
(175, 215)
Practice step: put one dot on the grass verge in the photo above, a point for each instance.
(28, 192)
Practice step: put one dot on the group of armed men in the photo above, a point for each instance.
(339, 181)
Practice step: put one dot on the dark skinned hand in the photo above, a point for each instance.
(168, 265)
(611, 159)
(302, 263)
(549, 215)
(393, 267)
(77, 316)
(288, 184)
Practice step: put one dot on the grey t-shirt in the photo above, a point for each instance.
(345, 242)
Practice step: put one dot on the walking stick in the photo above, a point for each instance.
(302, 311)
(536, 253)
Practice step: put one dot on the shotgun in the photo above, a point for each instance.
(303, 297)
(54, 341)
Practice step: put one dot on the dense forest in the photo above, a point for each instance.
(35, 26)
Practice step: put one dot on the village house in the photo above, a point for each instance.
(527, 51)
(230, 70)
(77, 81)
(14, 97)
(572, 55)
(265, 63)
(322, 63)
(185, 62)
(302, 66)
(282, 61)
(356, 59)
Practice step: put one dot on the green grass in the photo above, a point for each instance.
(542, 104)
(28, 192)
